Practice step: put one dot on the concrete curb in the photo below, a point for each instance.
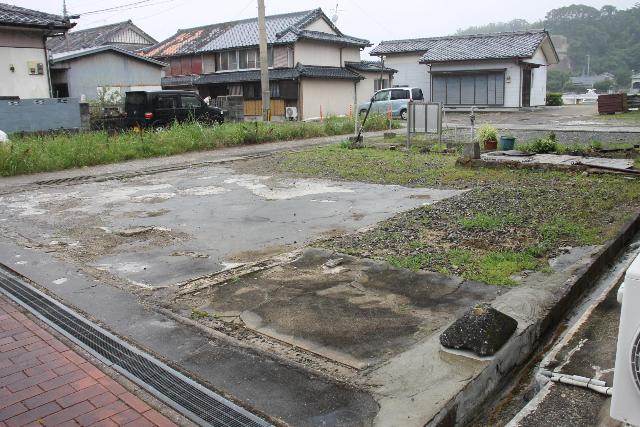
(505, 164)
(463, 406)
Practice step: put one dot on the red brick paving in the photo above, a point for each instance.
(45, 383)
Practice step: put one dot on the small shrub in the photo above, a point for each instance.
(543, 145)
(554, 99)
(595, 145)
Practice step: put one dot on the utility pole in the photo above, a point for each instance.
(264, 64)
(588, 65)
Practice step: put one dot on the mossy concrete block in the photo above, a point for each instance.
(389, 135)
(482, 330)
(471, 151)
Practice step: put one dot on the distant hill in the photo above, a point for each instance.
(609, 35)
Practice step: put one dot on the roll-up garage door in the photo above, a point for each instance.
(473, 88)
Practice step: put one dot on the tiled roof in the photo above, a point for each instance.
(368, 66)
(402, 46)
(247, 76)
(65, 56)
(306, 71)
(470, 47)
(174, 81)
(281, 29)
(19, 16)
(320, 72)
(332, 38)
(97, 36)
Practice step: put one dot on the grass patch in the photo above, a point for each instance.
(36, 153)
(509, 221)
(199, 314)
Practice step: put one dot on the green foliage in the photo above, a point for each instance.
(604, 85)
(486, 222)
(542, 145)
(487, 133)
(557, 80)
(37, 153)
(198, 314)
(554, 99)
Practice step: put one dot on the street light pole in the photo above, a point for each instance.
(264, 63)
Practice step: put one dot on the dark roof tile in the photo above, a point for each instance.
(19, 16)
(281, 29)
(506, 45)
(97, 36)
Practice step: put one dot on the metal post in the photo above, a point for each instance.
(472, 118)
(264, 63)
(410, 114)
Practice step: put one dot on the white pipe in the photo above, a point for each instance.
(607, 391)
(578, 378)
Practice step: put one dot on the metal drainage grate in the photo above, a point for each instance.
(185, 395)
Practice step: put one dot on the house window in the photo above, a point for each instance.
(274, 87)
(377, 85)
(249, 58)
(234, 89)
(227, 60)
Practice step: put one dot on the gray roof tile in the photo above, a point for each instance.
(368, 66)
(97, 36)
(281, 29)
(19, 16)
(506, 45)
(305, 71)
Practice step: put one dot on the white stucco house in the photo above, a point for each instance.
(499, 70)
(24, 70)
(314, 68)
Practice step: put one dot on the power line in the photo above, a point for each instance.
(134, 5)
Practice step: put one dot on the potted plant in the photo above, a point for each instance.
(488, 136)
(506, 142)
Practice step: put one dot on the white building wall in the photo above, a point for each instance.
(19, 82)
(109, 69)
(335, 97)
(325, 54)
(539, 79)
(321, 26)
(512, 77)
(410, 71)
(365, 88)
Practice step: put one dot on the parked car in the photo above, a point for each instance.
(161, 108)
(395, 98)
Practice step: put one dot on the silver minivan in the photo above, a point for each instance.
(394, 99)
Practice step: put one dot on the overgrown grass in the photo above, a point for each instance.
(31, 154)
(511, 220)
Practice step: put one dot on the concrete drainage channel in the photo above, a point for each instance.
(183, 394)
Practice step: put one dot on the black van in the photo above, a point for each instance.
(161, 108)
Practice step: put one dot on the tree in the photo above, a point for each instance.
(603, 86)
(557, 80)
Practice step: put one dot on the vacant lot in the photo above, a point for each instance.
(508, 222)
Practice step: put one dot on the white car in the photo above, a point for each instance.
(395, 98)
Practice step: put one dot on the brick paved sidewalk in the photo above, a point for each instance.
(45, 383)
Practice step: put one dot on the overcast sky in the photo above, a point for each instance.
(374, 20)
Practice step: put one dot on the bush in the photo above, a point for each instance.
(543, 145)
(554, 99)
(487, 133)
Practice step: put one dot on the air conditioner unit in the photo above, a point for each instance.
(291, 113)
(625, 404)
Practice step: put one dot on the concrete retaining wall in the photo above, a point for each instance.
(520, 347)
(33, 115)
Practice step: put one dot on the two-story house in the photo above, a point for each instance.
(24, 67)
(313, 66)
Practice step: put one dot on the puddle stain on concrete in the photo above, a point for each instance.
(356, 313)
(285, 189)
